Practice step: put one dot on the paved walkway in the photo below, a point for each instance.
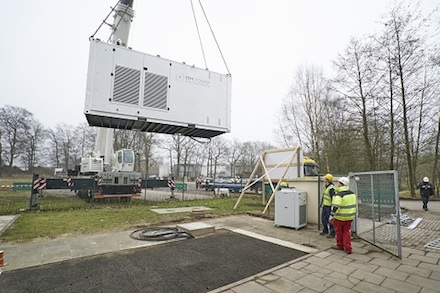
(367, 269)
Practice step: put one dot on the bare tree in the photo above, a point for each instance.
(14, 122)
(302, 111)
(406, 41)
(356, 80)
(181, 149)
(148, 143)
(85, 137)
(218, 151)
(234, 153)
(34, 137)
(63, 140)
(54, 146)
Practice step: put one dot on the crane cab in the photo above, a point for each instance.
(124, 161)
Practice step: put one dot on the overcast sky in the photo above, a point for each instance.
(44, 49)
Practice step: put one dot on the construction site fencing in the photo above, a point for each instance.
(378, 209)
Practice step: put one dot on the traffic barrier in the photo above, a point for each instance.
(6, 187)
(171, 184)
(69, 181)
(43, 184)
(2, 256)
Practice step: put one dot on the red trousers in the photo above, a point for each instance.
(343, 234)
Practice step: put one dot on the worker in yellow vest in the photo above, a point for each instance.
(342, 215)
(328, 228)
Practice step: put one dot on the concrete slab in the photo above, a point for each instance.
(180, 210)
(197, 229)
(275, 241)
(6, 222)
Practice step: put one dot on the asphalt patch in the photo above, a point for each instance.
(190, 265)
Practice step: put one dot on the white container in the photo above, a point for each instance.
(291, 208)
(131, 90)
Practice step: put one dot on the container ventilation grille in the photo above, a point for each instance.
(155, 91)
(435, 244)
(126, 85)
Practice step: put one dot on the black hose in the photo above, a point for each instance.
(158, 234)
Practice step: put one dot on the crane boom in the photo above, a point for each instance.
(123, 18)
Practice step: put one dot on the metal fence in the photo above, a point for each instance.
(378, 211)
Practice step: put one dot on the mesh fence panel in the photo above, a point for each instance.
(378, 214)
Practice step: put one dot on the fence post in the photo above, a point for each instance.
(35, 184)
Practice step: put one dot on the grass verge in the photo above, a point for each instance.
(70, 216)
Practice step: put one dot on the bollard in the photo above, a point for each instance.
(1, 258)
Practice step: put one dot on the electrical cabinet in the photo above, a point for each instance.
(291, 208)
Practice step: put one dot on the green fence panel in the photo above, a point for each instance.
(22, 186)
(181, 186)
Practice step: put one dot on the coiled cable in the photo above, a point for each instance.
(158, 234)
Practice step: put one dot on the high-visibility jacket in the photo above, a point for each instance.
(344, 204)
(329, 192)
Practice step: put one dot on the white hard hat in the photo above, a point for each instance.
(344, 180)
(425, 179)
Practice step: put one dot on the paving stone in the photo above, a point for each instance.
(399, 286)
(357, 242)
(339, 259)
(344, 281)
(299, 265)
(267, 278)
(360, 250)
(424, 282)
(314, 283)
(323, 254)
(364, 286)
(364, 266)
(307, 290)
(338, 289)
(318, 261)
(392, 273)
(290, 274)
(406, 251)
(414, 270)
(283, 285)
(426, 290)
(360, 257)
(342, 269)
(368, 276)
(424, 258)
(428, 266)
(251, 287)
(390, 263)
(382, 255)
(435, 276)
(321, 275)
(434, 254)
(311, 268)
(410, 261)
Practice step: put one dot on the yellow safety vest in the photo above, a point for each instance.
(327, 196)
(344, 202)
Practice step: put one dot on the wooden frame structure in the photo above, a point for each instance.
(279, 162)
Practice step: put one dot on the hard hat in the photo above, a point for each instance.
(425, 179)
(344, 180)
(329, 177)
